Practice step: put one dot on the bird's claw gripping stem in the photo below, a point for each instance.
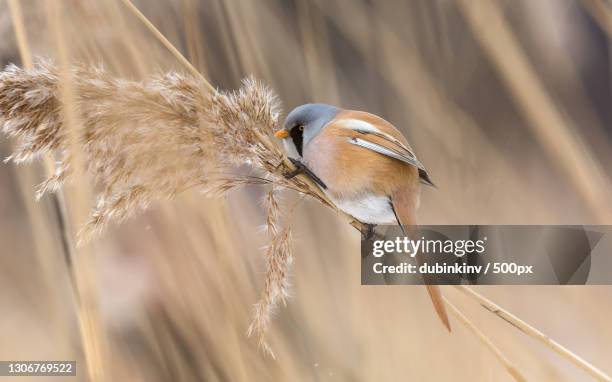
(300, 168)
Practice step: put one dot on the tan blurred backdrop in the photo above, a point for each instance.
(508, 104)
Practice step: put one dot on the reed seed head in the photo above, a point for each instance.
(147, 141)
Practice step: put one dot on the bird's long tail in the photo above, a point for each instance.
(404, 207)
(438, 303)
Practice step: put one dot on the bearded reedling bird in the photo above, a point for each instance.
(363, 164)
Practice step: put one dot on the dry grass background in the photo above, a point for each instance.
(518, 138)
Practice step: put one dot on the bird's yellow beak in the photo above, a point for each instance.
(282, 134)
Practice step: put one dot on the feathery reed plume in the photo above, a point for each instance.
(278, 261)
(149, 141)
(143, 141)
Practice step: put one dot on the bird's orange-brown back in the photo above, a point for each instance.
(348, 169)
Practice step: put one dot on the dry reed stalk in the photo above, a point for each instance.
(81, 266)
(195, 42)
(510, 368)
(593, 199)
(432, 107)
(317, 53)
(26, 176)
(427, 84)
(278, 255)
(271, 291)
(26, 58)
(534, 333)
(146, 142)
(138, 165)
(40, 220)
(548, 125)
(135, 137)
(166, 43)
(263, 137)
(20, 32)
(601, 13)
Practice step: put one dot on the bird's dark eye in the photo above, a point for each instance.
(301, 127)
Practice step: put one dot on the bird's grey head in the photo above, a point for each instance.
(304, 123)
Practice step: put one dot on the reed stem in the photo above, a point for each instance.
(264, 140)
(79, 264)
(534, 333)
(486, 341)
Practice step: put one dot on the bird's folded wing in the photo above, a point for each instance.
(386, 144)
(390, 150)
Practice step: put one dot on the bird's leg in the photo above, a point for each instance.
(367, 242)
(300, 168)
(368, 233)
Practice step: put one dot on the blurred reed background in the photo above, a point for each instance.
(508, 104)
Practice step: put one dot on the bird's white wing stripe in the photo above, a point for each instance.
(386, 151)
(358, 125)
(365, 128)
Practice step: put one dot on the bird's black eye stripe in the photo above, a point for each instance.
(297, 135)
